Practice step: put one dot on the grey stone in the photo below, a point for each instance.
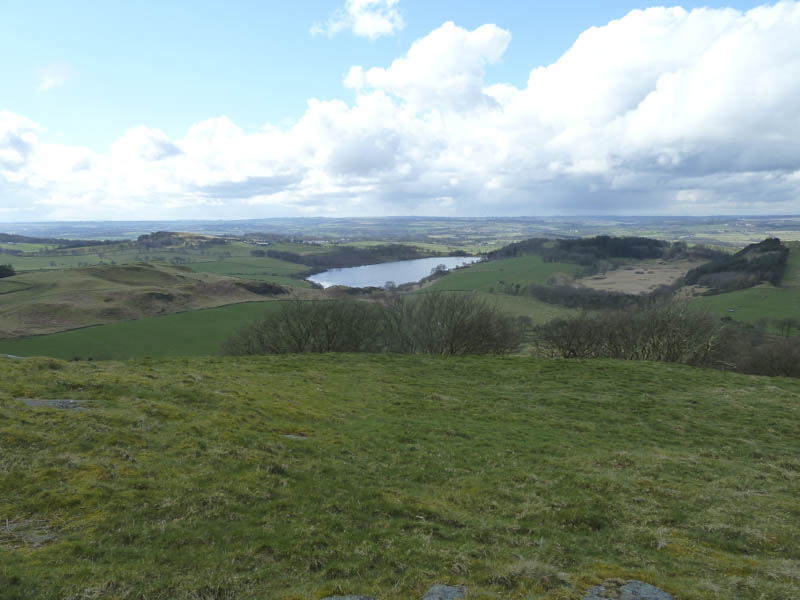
(348, 598)
(629, 590)
(53, 403)
(445, 592)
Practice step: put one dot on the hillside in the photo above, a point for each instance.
(300, 477)
(50, 301)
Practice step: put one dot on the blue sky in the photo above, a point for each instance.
(170, 64)
(82, 74)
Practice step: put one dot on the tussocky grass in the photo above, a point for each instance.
(518, 477)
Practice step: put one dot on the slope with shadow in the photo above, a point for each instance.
(51, 301)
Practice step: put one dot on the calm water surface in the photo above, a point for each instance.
(401, 271)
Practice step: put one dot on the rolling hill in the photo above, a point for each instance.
(50, 301)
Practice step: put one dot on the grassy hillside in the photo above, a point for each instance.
(487, 276)
(50, 301)
(490, 278)
(188, 253)
(764, 301)
(191, 333)
(298, 477)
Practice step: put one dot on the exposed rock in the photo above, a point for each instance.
(626, 590)
(445, 592)
(348, 598)
(53, 403)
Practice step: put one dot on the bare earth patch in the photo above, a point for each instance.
(639, 278)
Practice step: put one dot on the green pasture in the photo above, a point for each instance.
(429, 246)
(127, 253)
(763, 302)
(791, 277)
(753, 304)
(191, 333)
(525, 306)
(23, 247)
(300, 477)
(8, 286)
(486, 276)
(265, 269)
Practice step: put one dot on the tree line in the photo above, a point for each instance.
(348, 256)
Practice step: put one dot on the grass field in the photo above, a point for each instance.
(191, 333)
(519, 478)
(434, 247)
(264, 269)
(197, 332)
(761, 302)
(486, 276)
(753, 304)
(125, 253)
(51, 301)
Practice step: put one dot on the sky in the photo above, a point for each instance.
(117, 110)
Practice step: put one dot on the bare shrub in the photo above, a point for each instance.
(433, 323)
(310, 326)
(664, 331)
(452, 324)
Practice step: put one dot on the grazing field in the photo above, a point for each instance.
(443, 248)
(493, 275)
(51, 301)
(763, 302)
(753, 304)
(297, 477)
(791, 277)
(264, 269)
(229, 253)
(8, 286)
(639, 278)
(191, 333)
(491, 279)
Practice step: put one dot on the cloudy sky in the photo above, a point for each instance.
(242, 109)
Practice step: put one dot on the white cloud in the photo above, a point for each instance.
(442, 70)
(365, 18)
(53, 76)
(662, 111)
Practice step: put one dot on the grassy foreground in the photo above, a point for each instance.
(518, 477)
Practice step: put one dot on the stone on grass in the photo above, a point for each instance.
(348, 598)
(628, 590)
(445, 592)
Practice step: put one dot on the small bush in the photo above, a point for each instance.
(7, 271)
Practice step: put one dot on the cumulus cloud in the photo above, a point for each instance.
(664, 111)
(443, 70)
(365, 18)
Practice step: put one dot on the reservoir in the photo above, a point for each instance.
(398, 272)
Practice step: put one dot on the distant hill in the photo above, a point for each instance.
(50, 301)
(756, 263)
